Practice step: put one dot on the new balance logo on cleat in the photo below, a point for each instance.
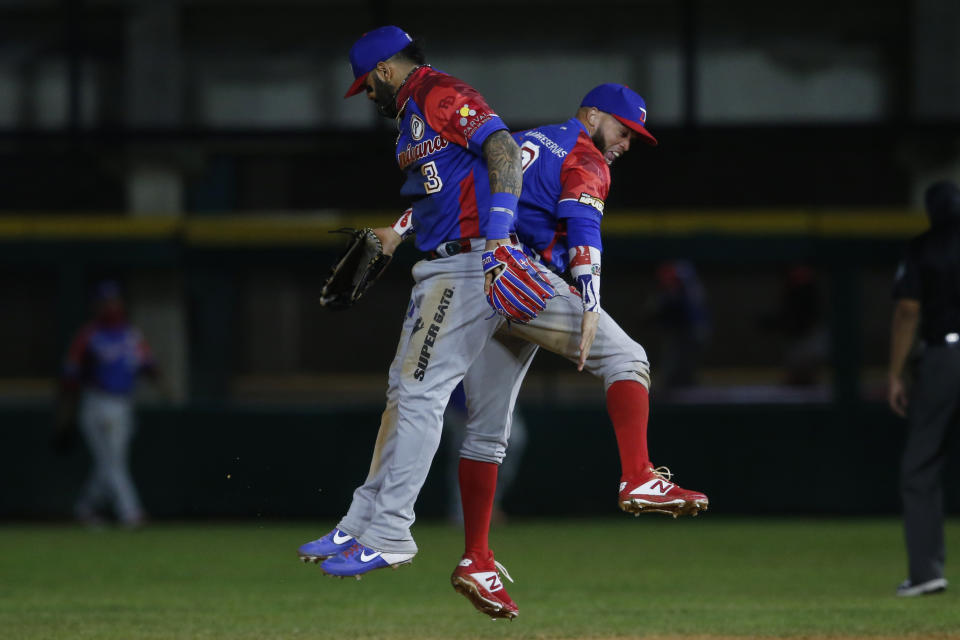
(655, 487)
(489, 579)
(655, 493)
(484, 589)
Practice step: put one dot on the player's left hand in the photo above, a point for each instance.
(588, 331)
(389, 238)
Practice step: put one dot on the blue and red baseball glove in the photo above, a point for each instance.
(520, 291)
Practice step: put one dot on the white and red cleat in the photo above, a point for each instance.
(653, 492)
(478, 579)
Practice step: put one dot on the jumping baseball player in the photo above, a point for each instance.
(463, 174)
(569, 206)
(104, 360)
(566, 181)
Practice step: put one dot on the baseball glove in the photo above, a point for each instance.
(520, 291)
(358, 267)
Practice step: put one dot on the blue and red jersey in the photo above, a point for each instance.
(107, 357)
(443, 124)
(564, 176)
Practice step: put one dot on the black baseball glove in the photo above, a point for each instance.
(358, 267)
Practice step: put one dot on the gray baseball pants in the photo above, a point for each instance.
(448, 322)
(613, 357)
(433, 356)
(106, 421)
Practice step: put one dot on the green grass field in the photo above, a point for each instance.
(618, 578)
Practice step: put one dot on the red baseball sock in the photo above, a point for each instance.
(629, 405)
(478, 484)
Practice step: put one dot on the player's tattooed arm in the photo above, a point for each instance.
(506, 178)
(503, 163)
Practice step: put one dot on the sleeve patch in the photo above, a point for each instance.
(471, 119)
(592, 201)
(452, 108)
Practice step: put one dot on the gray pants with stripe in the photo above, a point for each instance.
(446, 327)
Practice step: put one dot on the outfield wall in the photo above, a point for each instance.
(206, 462)
(210, 457)
(227, 298)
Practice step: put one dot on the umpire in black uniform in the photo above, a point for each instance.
(927, 293)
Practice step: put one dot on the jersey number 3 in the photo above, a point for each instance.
(433, 183)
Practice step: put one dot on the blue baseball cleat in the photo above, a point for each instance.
(358, 560)
(329, 545)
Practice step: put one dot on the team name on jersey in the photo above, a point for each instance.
(417, 152)
(592, 201)
(554, 148)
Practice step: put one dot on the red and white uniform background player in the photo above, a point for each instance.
(103, 362)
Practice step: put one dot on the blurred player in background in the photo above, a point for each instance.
(800, 319)
(927, 291)
(102, 365)
(566, 181)
(679, 307)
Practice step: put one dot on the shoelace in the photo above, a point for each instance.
(663, 473)
(502, 569)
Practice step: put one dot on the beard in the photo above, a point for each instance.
(599, 141)
(386, 99)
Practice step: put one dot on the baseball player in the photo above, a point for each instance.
(463, 174)
(104, 360)
(566, 181)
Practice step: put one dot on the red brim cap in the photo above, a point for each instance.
(639, 128)
(358, 86)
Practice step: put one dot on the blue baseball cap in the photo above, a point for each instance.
(373, 47)
(624, 104)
